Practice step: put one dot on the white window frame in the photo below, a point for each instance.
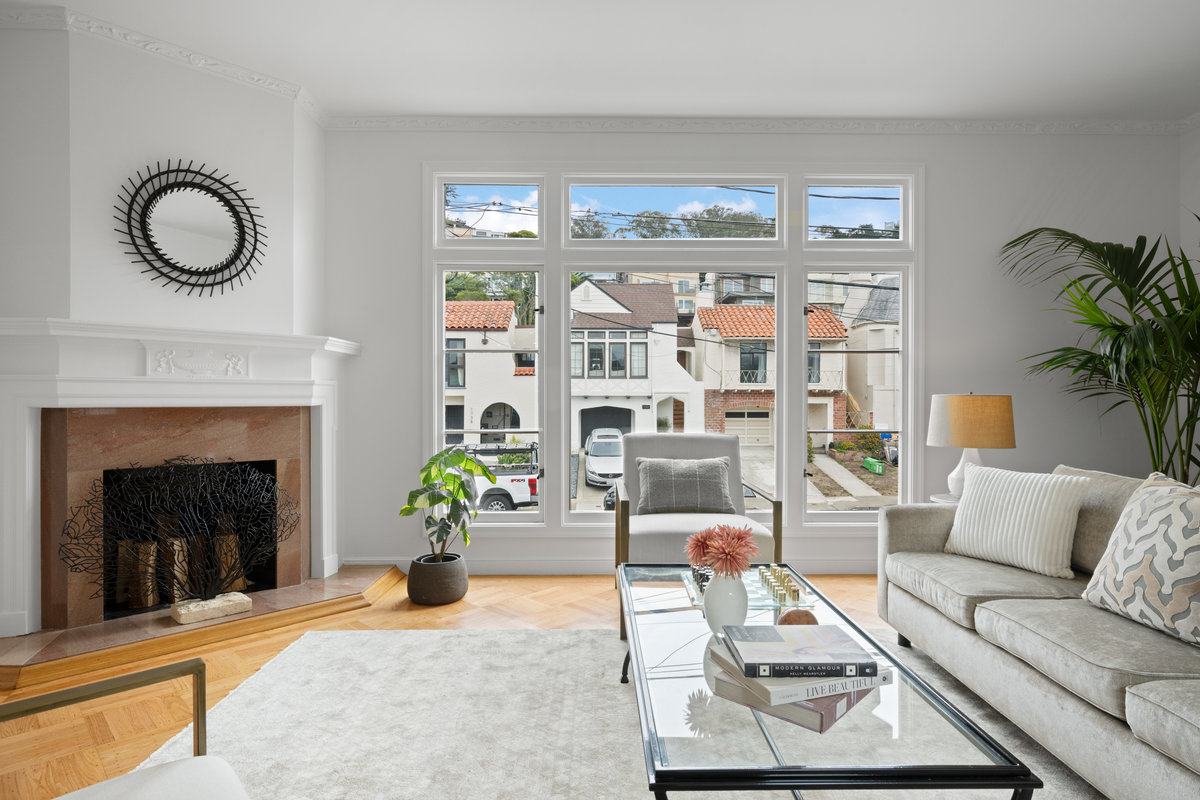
(791, 257)
(440, 242)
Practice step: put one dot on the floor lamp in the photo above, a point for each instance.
(970, 421)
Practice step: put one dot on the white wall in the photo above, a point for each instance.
(1189, 193)
(308, 204)
(129, 109)
(34, 174)
(976, 325)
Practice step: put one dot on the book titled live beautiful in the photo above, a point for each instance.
(798, 651)
(817, 715)
(775, 691)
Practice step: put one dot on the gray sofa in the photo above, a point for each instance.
(1115, 700)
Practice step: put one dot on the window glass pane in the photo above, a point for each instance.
(673, 212)
(855, 213)
(854, 399)
(711, 370)
(477, 211)
(491, 384)
(577, 359)
(616, 358)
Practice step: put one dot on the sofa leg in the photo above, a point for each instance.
(902, 641)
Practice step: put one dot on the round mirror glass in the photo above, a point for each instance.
(192, 228)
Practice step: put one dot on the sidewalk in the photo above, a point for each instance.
(843, 477)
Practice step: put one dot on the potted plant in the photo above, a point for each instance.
(1139, 320)
(447, 500)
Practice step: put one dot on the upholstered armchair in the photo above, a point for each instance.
(654, 521)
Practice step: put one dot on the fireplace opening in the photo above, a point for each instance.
(187, 529)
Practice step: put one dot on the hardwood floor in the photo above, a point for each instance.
(66, 749)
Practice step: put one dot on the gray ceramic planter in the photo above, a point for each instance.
(436, 583)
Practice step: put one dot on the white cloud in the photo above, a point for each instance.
(746, 203)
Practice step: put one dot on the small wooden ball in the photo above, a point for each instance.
(797, 616)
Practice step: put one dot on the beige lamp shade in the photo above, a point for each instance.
(971, 420)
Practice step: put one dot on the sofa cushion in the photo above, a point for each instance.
(1166, 716)
(1085, 649)
(954, 585)
(1022, 519)
(660, 538)
(695, 485)
(1102, 504)
(1150, 572)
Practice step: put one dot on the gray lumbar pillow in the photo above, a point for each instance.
(695, 485)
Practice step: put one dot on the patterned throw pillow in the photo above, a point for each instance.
(1151, 569)
(694, 485)
(1022, 519)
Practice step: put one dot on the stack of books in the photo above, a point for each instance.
(810, 675)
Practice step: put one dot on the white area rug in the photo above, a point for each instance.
(526, 714)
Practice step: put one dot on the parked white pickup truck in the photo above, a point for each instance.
(517, 471)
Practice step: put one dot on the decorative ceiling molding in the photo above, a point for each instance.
(770, 125)
(58, 18)
(306, 101)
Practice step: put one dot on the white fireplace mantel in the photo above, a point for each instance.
(58, 363)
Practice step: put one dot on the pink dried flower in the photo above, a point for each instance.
(728, 550)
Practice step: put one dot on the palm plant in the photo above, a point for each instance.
(447, 497)
(1141, 319)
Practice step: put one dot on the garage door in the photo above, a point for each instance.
(604, 417)
(752, 425)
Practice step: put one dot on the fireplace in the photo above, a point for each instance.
(161, 483)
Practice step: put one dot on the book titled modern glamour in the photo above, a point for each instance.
(777, 691)
(798, 651)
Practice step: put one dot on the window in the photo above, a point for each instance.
(491, 329)
(637, 360)
(731, 285)
(595, 360)
(473, 211)
(767, 285)
(576, 359)
(645, 211)
(854, 214)
(855, 394)
(456, 364)
(685, 306)
(684, 286)
(616, 360)
(753, 362)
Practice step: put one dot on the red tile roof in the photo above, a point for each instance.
(479, 315)
(523, 370)
(758, 322)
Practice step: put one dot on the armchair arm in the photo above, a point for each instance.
(915, 528)
(776, 519)
(621, 510)
(123, 683)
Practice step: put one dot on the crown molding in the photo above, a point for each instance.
(63, 19)
(308, 103)
(768, 125)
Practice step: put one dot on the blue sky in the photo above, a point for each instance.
(513, 207)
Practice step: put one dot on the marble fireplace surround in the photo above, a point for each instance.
(62, 364)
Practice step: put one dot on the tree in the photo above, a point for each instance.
(588, 226)
(521, 288)
(650, 225)
(722, 222)
(522, 234)
(577, 278)
(466, 286)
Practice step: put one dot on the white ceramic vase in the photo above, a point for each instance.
(725, 602)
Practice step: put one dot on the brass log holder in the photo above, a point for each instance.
(123, 683)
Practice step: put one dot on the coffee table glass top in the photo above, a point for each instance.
(899, 735)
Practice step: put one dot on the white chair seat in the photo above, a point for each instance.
(199, 778)
(656, 538)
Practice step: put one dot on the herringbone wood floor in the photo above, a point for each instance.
(63, 750)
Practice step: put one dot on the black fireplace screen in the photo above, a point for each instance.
(186, 529)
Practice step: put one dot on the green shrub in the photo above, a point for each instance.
(810, 450)
(869, 442)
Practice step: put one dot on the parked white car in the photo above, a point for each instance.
(603, 457)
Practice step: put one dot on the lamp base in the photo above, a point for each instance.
(970, 455)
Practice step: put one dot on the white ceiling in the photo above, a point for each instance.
(1068, 60)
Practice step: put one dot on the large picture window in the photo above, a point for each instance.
(663, 298)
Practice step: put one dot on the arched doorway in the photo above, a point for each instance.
(498, 416)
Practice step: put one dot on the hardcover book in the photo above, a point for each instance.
(774, 691)
(816, 715)
(798, 651)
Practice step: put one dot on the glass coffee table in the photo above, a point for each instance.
(902, 736)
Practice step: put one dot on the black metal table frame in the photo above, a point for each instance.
(1013, 775)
